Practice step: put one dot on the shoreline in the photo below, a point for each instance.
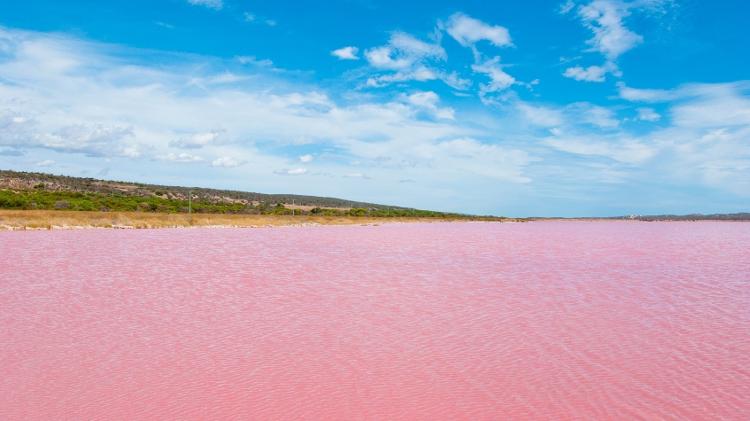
(22, 220)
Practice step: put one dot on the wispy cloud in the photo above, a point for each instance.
(292, 171)
(611, 37)
(499, 79)
(250, 17)
(406, 58)
(196, 140)
(227, 162)
(211, 4)
(648, 114)
(182, 157)
(164, 24)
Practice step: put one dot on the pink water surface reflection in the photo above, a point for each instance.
(547, 320)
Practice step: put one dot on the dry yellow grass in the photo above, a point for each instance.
(41, 219)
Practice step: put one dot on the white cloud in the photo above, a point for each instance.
(181, 157)
(250, 17)
(356, 175)
(346, 53)
(227, 162)
(293, 171)
(406, 58)
(624, 150)
(468, 31)
(605, 19)
(540, 115)
(306, 158)
(428, 101)
(419, 74)
(403, 51)
(648, 114)
(382, 58)
(588, 74)
(74, 137)
(211, 4)
(252, 60)
(567, 6)
(492, 161)
(611, 38)
(645, 95)
(594, 115)
(196, 140)
(499, 80)
(699, 105)
(164, 24)
(719, 110)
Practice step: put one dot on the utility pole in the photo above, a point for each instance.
(190, 201)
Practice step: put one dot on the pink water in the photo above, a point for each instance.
(548, 320)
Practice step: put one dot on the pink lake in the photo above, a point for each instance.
(543, 320)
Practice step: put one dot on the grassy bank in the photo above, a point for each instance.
(42, 199)
(43, 219)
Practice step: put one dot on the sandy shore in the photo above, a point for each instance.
(31, 219)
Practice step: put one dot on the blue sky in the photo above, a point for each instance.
(593, 107)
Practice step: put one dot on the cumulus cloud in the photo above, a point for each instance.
(403, 51)
(428, 101)
(468, 31)
(211, 4)
(346, 53)
(407, 58)
(306, 158)
(99, 139)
